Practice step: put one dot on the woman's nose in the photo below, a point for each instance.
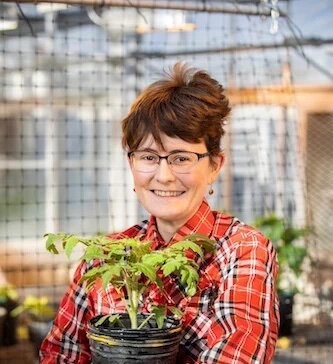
(164, 172)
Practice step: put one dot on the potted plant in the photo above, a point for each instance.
(36, 313)
(8, 301)
(2, 323)
(291, 256)
(131, 267)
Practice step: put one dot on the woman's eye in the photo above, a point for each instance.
(181, 159)
(149, 157)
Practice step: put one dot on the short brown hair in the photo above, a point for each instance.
(188, 104)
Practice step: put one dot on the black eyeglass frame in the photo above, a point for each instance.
(199, 155)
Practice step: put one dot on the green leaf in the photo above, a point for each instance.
(176, 311)
(71, 242)
(154, 259)
(106, 277)
(17, 311)
(191, 290)
(96, 271)
(116, 249)
(114, 319)
(111, 273)
(138, 248)
(208, 245)
(184, 275)
(101, 320)
(160, 314)
(170, 266)
(293, 257)
(116, 253)
(50, 242)
(35, 308)
(101, 240)
(93, 252)
(191, 281)
(90, 283)
(111, 318)
(291, 234)
(183, 245)
(290, 256)
(93, 274)
(271, 226)
(159, 283)
(148, 270)
(7, 292)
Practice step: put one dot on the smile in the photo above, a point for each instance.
(167, 193)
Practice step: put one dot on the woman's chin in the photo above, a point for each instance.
(166, 208)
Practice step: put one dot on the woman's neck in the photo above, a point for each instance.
(166, 229)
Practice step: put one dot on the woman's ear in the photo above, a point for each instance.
(217, 162)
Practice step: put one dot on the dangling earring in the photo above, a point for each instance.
(211, 191)
(134, 189)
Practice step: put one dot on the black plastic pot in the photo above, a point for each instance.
(37, 332)
(116, 345)
(286, 314)
(3, 313)
(9, 325)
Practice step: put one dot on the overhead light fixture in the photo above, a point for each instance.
(159, 20)
(8, 25)
(50, 7)
(167, 21)
(186, 27)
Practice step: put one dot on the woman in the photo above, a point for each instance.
(172, 135)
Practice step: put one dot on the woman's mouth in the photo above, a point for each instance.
(167, 193)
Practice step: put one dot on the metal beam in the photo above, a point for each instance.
(308, 97)
(203, 6)
(288, 43)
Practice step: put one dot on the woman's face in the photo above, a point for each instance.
(173, 198)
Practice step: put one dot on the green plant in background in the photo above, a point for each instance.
(291, 255)
(131, 267)
(35, 309)
(8, 301)
(7, 292)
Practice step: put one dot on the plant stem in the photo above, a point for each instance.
(133, 317)
(131, 284)
(145, 321)
(132, 312)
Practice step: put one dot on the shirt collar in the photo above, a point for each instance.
(202, 222)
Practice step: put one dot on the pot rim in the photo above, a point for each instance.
(174, 328)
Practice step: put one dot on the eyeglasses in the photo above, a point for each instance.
(179, 162)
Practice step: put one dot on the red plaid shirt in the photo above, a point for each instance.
(233, 318)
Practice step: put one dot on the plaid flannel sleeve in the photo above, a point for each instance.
(67, 341)
(242, 326)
